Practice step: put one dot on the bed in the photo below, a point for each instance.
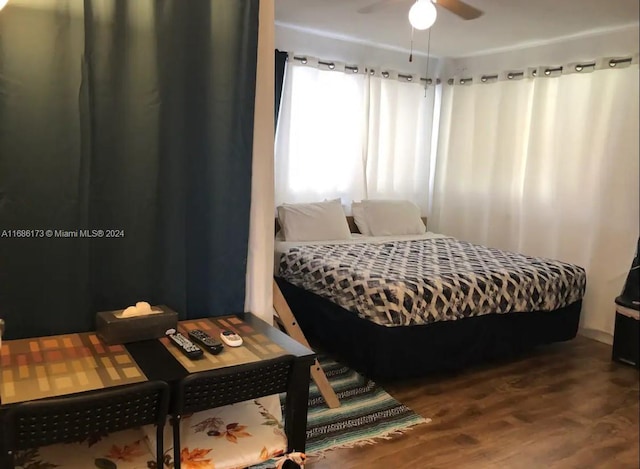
(404, 306)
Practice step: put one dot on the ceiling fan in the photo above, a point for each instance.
(457, 7)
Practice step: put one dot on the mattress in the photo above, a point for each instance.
(429, 278)
(282, 246)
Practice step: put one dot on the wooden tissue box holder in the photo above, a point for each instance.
(114, 330)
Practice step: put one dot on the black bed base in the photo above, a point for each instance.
(385, 353)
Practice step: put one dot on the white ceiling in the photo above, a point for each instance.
(506, 24)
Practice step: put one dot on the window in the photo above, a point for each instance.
(353, 136)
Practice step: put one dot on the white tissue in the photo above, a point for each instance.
(130, 311)
(142, 308)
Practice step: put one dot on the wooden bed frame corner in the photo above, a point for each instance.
(285, 318)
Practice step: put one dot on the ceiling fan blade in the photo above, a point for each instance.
(458, 7)
(380, 4)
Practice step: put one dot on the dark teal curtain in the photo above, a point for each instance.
(281, 62)
(134, 118)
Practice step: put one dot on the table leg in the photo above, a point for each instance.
(296, 407)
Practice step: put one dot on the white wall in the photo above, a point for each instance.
(612, 43)
(292, 39)
(258, 296)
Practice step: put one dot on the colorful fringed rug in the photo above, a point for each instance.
(366, 413)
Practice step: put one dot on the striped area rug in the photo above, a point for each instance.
(366, 412)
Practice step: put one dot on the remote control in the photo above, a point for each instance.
(231, 338)
(203, 339)
(187, 347)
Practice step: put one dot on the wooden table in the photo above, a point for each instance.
(43, 367)
(159, 363)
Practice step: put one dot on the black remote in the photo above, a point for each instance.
(187, 347)
(203, 339)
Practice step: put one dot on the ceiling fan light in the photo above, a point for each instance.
(422, 14)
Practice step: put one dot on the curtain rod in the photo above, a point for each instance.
(578, 67)
(355, 69)
(614, 62)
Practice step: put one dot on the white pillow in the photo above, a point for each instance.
(392, 217)
(357, 210)
(313, 222)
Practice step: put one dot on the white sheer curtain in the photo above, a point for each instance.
(353, 136)
(548, 167)
(319, 140)
(400, 121)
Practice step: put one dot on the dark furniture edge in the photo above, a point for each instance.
(292, 346)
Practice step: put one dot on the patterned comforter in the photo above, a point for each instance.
(400, 283)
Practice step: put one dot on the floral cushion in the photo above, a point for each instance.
(128, 449)
(233, 436)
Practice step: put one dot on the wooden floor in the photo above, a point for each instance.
(564, 406)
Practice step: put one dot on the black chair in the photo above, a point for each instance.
(217, 388)
(73, 419)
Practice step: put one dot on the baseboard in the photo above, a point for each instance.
(600, 336)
